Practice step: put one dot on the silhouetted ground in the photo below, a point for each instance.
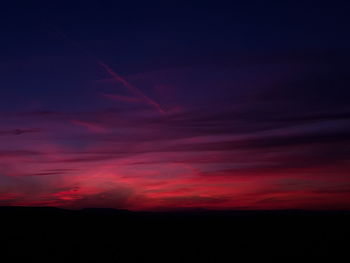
(106, 235)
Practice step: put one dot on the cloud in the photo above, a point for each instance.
(237, 136)
(18, 131)
(121, 98)
(93, 127)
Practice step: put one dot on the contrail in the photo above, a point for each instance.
(113, 74)
(133, 89)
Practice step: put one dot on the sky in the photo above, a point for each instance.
(168, 105)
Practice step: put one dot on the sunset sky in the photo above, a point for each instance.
(167, 105)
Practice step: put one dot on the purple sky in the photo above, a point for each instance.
(170, 106)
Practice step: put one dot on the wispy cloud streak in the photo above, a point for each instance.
(130, 87)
